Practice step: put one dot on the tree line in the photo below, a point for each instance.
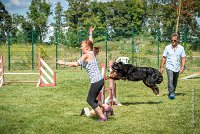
(117, 16)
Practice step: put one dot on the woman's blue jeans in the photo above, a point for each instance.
(172, 81)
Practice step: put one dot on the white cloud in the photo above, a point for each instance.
(16, 2)
(20, 3)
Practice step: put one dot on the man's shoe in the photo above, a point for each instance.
(172, 96)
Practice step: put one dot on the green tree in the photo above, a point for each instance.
(16, 27)
(21, 29)
(99, 18)
(155, 17)
(197, 8)
(76, 16)
(185, 13)
(58, 15)
(171, 17)
(120, 16)
(39, 11)
(100, 13)
(75, 12)
(5, 20)
(136, 11)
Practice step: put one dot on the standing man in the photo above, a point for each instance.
(175, 59)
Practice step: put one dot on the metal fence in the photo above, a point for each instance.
(142, 49)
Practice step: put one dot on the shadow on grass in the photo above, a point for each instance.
(139, 103)
(177, 94)
(193, 78)
(180, 94)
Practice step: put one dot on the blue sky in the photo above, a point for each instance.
(21, 6)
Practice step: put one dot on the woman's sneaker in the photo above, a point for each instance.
(108, 111)
(102, 119)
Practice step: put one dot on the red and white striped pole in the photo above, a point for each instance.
(112, 87)
(101, 95)
(1, 71)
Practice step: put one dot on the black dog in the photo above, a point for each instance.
(150, 76)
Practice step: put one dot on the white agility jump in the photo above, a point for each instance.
(46, 78)
(125, 60)
(111, 99)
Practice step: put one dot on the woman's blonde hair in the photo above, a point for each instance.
(96, 50)
(89, 43)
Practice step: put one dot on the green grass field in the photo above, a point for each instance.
(24, 108)
(55, 110)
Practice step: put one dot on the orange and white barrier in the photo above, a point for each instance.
(51, 79)
(44, 78)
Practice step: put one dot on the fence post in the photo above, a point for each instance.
(106, 48)
(32, 42)
(8, 51)
(158, 45)
(80, 40)
(133, 46)
(56, 48)
(185, 37)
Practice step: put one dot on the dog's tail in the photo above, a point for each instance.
(160, 78)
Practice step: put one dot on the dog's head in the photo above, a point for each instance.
(116, 71)
(117, 66)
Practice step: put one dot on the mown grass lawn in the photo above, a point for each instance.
(27, 109)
